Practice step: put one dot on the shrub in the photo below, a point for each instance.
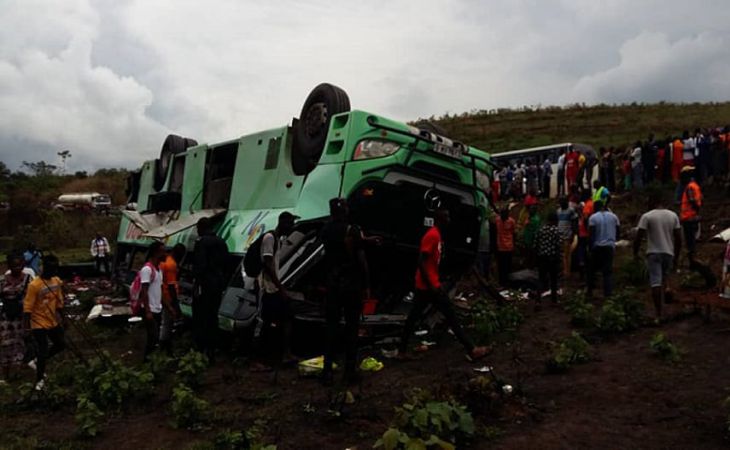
(664, 348)
(571, 350)
(87, 416)
(490, 320)
(191, 368)
(621, 313)
(109, 383)
(423, 424)
(188, 411)
(240, 440)
(580, 310)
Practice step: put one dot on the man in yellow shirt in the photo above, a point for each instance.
(42, 315)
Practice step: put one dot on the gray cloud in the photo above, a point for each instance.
(108, 79)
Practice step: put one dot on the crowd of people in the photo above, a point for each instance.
(578, 235)
(581, 233)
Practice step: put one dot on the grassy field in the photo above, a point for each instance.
(599, 125)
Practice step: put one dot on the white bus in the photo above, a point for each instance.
(551, 152)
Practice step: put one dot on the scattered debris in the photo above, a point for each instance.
(371, 364)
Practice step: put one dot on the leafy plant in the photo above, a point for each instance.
(580, 310)
(87, 416)
(423, 424)
(111, 383)
(188, 411)
(158, 365)
(621, 313)
(490, 320)
(571, 350)
(191, 368)
(664, 348)
(240, 440)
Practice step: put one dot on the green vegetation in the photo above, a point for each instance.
(490, 320)
(188, 411)
(423, 423)
(598, 125)
(87, 416)
(571, 350)
(664, 348)
(30, 217)
(191, 368)
(580, 310)
(623, 312)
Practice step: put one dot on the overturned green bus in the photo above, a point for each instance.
(392, 174)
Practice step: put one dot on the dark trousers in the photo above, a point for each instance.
(690, 229)
(205, 320)
(549, 270)
(601, 261)
(504, 267)
(581, 259)
(153, 333)
(43, 352)
(561, 183)
(102, 261)
(439, 300)
(349, 305)
(546, 187)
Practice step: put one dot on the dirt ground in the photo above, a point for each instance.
(625, 397)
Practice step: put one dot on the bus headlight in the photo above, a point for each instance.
(483, 181)
(375, 149)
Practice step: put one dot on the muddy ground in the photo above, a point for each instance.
(625, 397)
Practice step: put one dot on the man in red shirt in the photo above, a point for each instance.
(572, 166)
(430, 292)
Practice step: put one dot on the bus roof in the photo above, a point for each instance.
(579, 147)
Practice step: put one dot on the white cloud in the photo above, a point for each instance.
(109, 79)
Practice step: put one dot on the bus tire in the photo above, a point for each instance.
(172, 146)
(310, 133)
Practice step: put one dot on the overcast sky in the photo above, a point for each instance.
(108, 79)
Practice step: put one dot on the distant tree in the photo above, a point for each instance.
(81, 174)
(4, 172)
(64, 155)
(40, 168)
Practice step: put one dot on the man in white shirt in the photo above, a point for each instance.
(151, 295)
(561, 174)
(690, 147)
(637, 169)
(663, 232)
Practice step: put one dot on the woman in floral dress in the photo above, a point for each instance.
(12, 292)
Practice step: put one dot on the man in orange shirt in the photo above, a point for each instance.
(170, 290)
(690, 211)
(505, 245)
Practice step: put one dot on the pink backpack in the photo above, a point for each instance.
(136, 288)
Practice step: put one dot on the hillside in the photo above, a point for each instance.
(599, 125)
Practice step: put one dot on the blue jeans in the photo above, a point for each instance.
(637, 176)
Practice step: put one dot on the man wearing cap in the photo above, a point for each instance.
(275, 303)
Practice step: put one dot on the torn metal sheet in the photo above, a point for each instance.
(722, 236)
(149, 221)
(181, 224)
